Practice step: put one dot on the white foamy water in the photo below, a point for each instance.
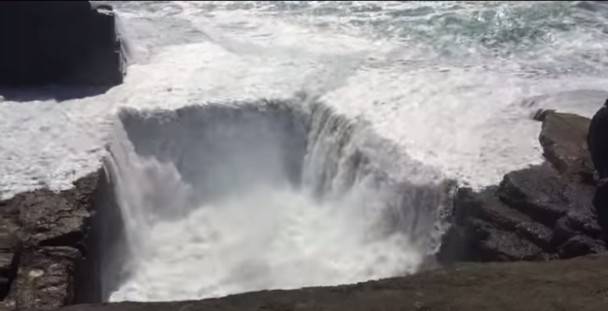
(443, 80)
(220, 200)
(263, 239)
(450, 85)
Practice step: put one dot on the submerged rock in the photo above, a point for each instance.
(65, 42)
(538, 213)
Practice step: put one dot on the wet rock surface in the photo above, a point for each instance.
(538, 213)
(58, 42)
(42, 244)
(574, 284)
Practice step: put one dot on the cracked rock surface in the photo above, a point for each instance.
(42, 244)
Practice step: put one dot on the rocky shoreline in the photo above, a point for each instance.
(50, 248)
(532, 242)
(538, 213)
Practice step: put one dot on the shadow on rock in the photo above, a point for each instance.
(598, 146)
(58, 93)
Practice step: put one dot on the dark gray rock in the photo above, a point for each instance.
(597, 140)
(600, 202)
(10, 246)
(564, 140)
(58, 42)
(495, 244)
(486, 229)
(538, 213)
(536, 191)
(44, 243)
(9, 254)
(50, 219)
(45, 280)
(580, 245)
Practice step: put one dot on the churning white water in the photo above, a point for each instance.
(219, 200)
(341, 185)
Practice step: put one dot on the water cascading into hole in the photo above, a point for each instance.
(222, 199)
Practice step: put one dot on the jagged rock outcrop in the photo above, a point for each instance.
(564, 141)
(58, 42)
(538, 213)
(575, 284)
(44, 242)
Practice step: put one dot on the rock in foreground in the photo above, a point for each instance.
(58, 42)
(576, 284)
(47, 252)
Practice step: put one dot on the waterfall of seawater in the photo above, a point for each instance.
(222, 199)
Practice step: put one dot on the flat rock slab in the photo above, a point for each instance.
(576, 284)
